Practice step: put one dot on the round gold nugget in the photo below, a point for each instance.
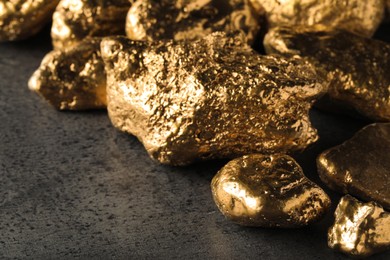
(268, 191)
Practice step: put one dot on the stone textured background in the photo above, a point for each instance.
(73, 186)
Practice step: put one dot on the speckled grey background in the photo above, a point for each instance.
(72, 186)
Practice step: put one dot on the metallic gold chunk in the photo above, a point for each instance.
(361, 165)
(356, 16)
(360, 229)
(210, 98)
(268, 191)
(20, 19)
(358, 68)
(75, 20)
(189, 19)
(73, 79)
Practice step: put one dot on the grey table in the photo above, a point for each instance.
(72, 186)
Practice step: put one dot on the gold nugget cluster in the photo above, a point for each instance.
(189, 85)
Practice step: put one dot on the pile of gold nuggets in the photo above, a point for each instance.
(181, 76)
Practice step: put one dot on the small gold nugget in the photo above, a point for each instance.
(73, 79)
(360, 229)
(361, 165)
(75, 20)
(356, 16)
(189, 19)
(268, 191)
(358, 68)
(210, 98)
(20, 19)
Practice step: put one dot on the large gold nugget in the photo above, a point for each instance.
(73, 79)
(361, 165)
(210, 98)
(268, 191)
(189, 19)
(356, 16)
(75, 20)
(360, 229)
(20, 19)
(358, 68)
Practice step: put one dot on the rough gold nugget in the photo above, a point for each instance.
(356, 16)
(361, 165)
(73, 79)
(210, 98)
(20, 19)
(360, 229)
(75, 20)
(358, 68)
(190, 19)
(268, 191)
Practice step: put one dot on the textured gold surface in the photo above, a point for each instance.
(361, 165)
(190, 19)
(210, 98)
(268, 191)
(73, 79)
(358, 68)
(75, 20)
(356, 16)
(19, 19)
(360, 229)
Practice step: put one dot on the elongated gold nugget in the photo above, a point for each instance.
(73, 79)
(361, 165)
(356, 16)
(210, 98)
(358, 68)
(268, 191)
(75, 20)
(360, 229)
(189, 19)
(20, 19)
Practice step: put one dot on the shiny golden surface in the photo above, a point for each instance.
(189, 19)
(75, 20)
(361, 165)
(268, 191)
(73, 79)
(360, 229)
(210, 98)
(358, 68)
(356, 16)
(20, 19)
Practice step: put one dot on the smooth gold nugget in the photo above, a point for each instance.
(361, 165)
(189, 19)
(75, 20)
(20, 19)
(356, 16)
(73, 79)
(210, 98)
(358, 68)
(268, 191)
(360, 229)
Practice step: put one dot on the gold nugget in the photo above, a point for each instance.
(20, 19)
(73, 79)
(356, 16)
(268, 191)
(358, 68)
(361, 165)
(75, 20)
(360, 229)
(189, 19)
(210, 98)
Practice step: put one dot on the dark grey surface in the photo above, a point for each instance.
(73, 186)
